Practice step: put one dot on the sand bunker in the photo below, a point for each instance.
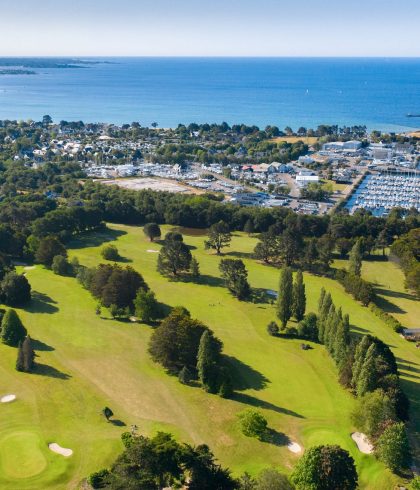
(152, 251)
(362, 442)
(29, 267)
(294, 447)
(7, 398)
(56, 448)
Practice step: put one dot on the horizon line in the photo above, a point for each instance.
(210, 56)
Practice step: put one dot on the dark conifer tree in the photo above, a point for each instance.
(207, 359)
(299, 297)
(285, 296)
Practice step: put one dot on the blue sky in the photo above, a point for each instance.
(210, 28)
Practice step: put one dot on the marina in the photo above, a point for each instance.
(379, 193)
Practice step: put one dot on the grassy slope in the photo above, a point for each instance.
(107, 364)
(388, 281)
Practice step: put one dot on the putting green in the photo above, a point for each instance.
(21, 455)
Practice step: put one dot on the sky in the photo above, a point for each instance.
(210, 28)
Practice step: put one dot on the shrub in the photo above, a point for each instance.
(393, 448)
(110, 252)
(61, 266)
(15, 289)
(253, 423)
(387, 318)
(273, 329)
(98, 479)
(12, 330)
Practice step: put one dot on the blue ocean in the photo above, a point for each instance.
(378, 93)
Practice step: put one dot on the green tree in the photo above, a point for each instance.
(175, 342)
(174, 258)
(326, 468)
(372, 413)
(253, 423)
(249, 227)
(110, 252)
(152, 231)
(26, 356)
(367, 379)
(47, 249)
(355, 258)
(60, 266)
(271, 479)
(20, 361)
(273, 329)
(393, 447)
(185, 375)
(15, 289)
(195, 268)
(359, 358)
(146, 306)
(285, 296)
(218, 237)
(235, 275)
(308, 327)
(299, 297)
(207, 362)
(12, 329)
(107, 413)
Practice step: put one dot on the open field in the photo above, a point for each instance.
(87, 362)
(152, 183)
(309, 140)
(388, 281)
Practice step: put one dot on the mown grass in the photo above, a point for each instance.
(88, 362)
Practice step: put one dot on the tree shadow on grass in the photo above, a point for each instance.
(41, 346)
(41, 303)
(50, 371)
(204, 280)
(394, 294)
(96, 238)
(387, 306)
(241, 255)
(256, 402)
(244, 377)
(276, 438)
(117, 422)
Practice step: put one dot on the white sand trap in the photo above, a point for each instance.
(7, 398)
(362, 442)
(56, 448)
(294, 447)
(152, 251)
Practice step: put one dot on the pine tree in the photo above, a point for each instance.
(359, 357)
(321, 300)
(340, 344)
(185, 375)
(355, 259)
(285, 296)
(12, 329)
(367, 380)
(28, 354)
(20, 360)
(226, 384)
(299, 297)
(332, 334)
(207, 363)
(249, 227)
(326, 304)
(329, 324)
(195, 268)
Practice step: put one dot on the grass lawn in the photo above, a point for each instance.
(388, 281)
(87, 362)
(308, 140)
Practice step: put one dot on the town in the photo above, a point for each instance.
(310, 171)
